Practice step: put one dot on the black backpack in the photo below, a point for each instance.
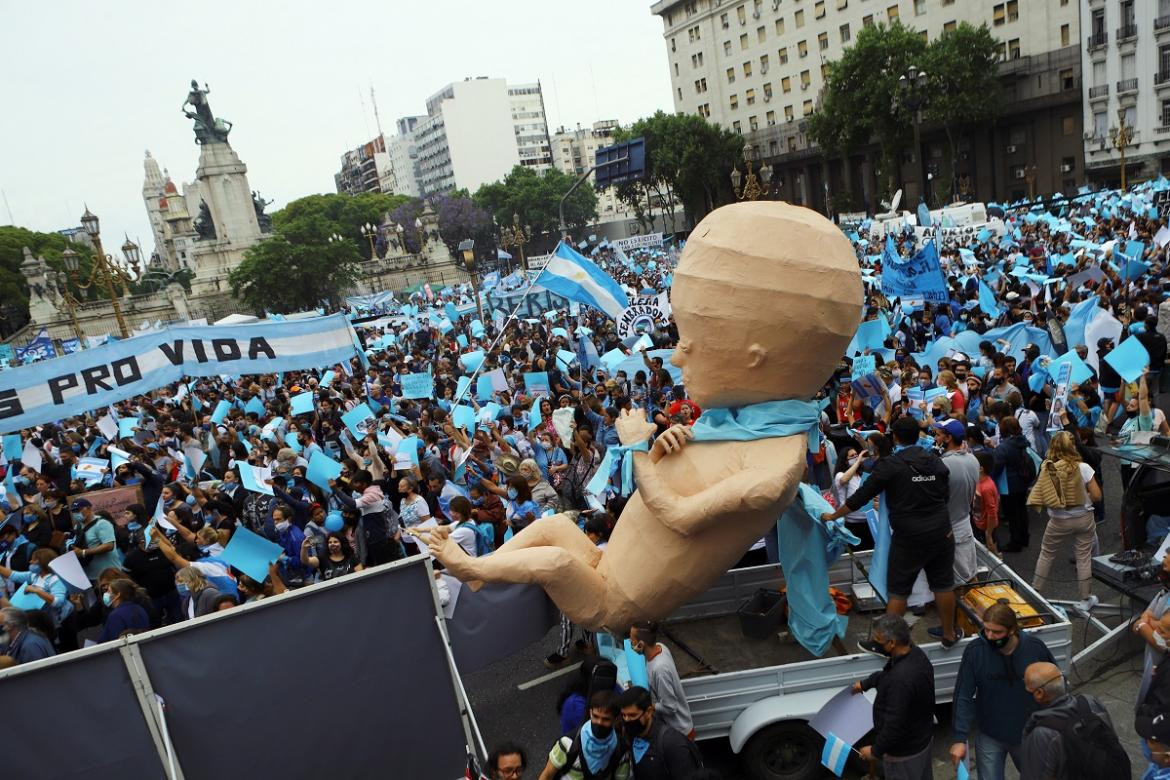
(574, 752)
(1091, 748)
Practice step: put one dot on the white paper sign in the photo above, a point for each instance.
(31, 457)
(68, 568)
(108, 426)
(562, 422)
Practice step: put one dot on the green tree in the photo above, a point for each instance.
(965, 90)
(14, 290)
(536, 198)
(296, 268)
(346, 215)
(688, 161)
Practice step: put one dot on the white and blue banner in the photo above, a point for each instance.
(95, 378)
(918, 278)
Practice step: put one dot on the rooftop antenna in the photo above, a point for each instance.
(365, 117)
(377, 119)
(11, 219)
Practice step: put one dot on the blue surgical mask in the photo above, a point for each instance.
(182, 589)
(78, 517)
(512, 493)
(34, 569)
(191, 500)
(107, 598)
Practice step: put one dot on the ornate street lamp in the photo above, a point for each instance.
(467, 247)
(1121, 135)
(754, 187)
(106, 270)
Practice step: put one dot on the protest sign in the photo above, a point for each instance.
(1060, 397)
(918, 278)
(95, 378)
(322, 468)
(255, 478)
(648, 241)
(643, 313)
(360, 419)
(417, 385)
(536, 383)
(251, 553)
(1129, 359)
(113, 500)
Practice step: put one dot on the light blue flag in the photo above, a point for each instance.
(1129, 359)
(417, 385)
(462, 387)
(13, 446)
(322, 468)
(254, 406)
(879, 563)
(463, 417)
(571, 275)
(251, 553)
(919, 278)
(534, 417)
(358, 419)
(302, 403)
(987, 300)
(217, 416)
(612, 359)
(835, 754)
(126, 427)
(1079, 318)
(472, 360)
(483, 388)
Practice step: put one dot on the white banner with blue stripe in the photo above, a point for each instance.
(95, 378)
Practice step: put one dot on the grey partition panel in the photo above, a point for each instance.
(497, 621)
(325, 684)
(75, 720)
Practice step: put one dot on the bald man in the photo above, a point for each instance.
(1044, 750)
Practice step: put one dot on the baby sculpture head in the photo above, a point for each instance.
(767, 297)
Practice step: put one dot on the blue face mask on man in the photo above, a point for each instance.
(512, 494)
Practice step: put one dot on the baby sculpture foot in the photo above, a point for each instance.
(453, 557)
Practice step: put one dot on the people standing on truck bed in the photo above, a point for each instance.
(903, 711)
(916, 486)
(659, 752)
(990, 695)
(665, 685)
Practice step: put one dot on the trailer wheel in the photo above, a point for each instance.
(784, 751)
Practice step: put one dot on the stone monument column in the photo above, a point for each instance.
(223, 183)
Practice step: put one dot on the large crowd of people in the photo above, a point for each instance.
(967, 444)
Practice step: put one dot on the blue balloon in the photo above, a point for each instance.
(333, 521)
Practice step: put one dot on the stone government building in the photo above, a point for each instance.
(205, 229)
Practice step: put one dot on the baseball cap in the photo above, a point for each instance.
(80, 503)
(1156, 728)
(955, 429)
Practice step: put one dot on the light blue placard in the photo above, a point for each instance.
(13, 446)
(248, 477)
(292, 441)
(476, 329)
(864, 364)
(126, 426)
(483, 388)
(302, 403)
(220, 413)
(251, 553)
(1080, 371)
(26, 601)
(409, 445)
(357, 420)
(1129, 359)
(472, 360)
(451, 312)
(559, 331)
(612, 359)
(536, 383)
(327, 378)
(463, 417)
(489, 411)
(462, 339)
(566, 358)
(417, 385)
(462, 387)
(322, 468)
(254, 406)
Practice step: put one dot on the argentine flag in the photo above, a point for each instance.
(573, 276)
(835, 754)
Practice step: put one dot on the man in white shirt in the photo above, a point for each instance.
(670, 702)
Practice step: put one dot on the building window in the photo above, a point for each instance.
(727, 48)
(792, 143)
(867, 20)
(1068, 125)
(786, 84)
(823, 41)
(672, 45)
(743, 42)
(892, 12)
(676, 68)
(819, 9)
(798, 18)
(998, 16)
(741, 14)
(770, 118)
(763, 63)
(824, 71)
(753, 123)
(780, 26)
(747, 70)
(691, 9)
(782, 56)
(1064, 35)
(768, 90)
(807, 107)
(919, 7)
(802, 48)
(1166, 113)
(1001, 50)
(1067, 79)
(701, 86)
(736, 127)
(750, 97)
(734, 102)
(680, 94)
(805, 80)
(788, 113)
(1068, 164)
(731, 75)
(1100, 123)
(723, 21)
(949, 26)
(761, 34)
(1017, 136)
(844, 33)
(693, 33)
(1013, 10)
(1014, 49)
(842, 5)
(697, 60)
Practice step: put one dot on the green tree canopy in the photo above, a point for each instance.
(688, 160)
(285, 274)
(13, 289)
(536, 198)
(345, 215)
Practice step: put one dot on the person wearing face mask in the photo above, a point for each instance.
(294, 573)
(596, 750)
(199, 597)
(15, 548)
(990, 697)
(658, 751)
(93, 540)
(339, 557)
(125, 614)
(662, 676)
(19, 642)
(520, 509)
(1155, 733)
(1069, 735)
(903, 711)
(486, 507)
(40, 581)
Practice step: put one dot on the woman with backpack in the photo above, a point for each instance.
(1067, 488)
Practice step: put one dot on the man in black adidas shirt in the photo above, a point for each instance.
(914, 480)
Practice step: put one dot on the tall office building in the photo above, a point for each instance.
(476, 131)
(758, 67)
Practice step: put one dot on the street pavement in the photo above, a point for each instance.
(528, 717)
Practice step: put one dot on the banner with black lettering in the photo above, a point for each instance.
(94, 378)
(642, 314)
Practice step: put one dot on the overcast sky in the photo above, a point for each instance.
(88, 87)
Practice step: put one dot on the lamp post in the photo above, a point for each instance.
(370, 232)
(401, 232)
(467, 247)
(515, 236)
(912, 94)
(422, 237)
(1121, 135)
(752, 188)
(106, 271)
(61, 282)
(1030, 175)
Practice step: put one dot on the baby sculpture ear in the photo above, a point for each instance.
(756, 355)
